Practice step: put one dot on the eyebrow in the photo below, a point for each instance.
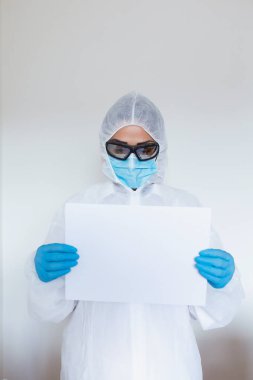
(124, 142)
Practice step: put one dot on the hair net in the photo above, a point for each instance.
(134, 109)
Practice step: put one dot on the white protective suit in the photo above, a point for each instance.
(120, 341)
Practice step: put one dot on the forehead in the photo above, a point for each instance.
(132, 132)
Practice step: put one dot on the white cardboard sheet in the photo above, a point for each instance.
(137, 254)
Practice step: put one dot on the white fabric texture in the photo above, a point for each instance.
(112, 341)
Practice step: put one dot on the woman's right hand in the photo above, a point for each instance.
(55, 260)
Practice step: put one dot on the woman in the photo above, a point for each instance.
(112, 341)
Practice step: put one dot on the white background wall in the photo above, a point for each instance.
(63, 64)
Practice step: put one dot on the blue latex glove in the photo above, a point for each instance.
(54, 260)
(216, 266)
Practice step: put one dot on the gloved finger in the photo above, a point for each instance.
(53, 266)
(212, 261)
(211, 252)
(42, 274)
(59, 256)
(58, 247)
(59, 273)
(216, 272)
(214, 281)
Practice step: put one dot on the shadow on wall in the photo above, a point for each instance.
(225, 355)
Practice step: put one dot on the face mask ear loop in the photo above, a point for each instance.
(109, 162)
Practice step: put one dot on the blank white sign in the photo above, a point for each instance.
(137, 254)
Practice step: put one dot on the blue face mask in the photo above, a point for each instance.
(133, 172)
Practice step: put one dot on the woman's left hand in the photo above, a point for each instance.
(216, 266)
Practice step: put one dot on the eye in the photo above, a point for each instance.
(119, 150)
(149, 150)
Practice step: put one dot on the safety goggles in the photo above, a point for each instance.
(143, 151)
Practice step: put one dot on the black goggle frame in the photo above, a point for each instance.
(132, 149)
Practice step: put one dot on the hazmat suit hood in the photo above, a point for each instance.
(134, 109)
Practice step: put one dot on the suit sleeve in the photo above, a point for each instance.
(221, 304)
(46, 300)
